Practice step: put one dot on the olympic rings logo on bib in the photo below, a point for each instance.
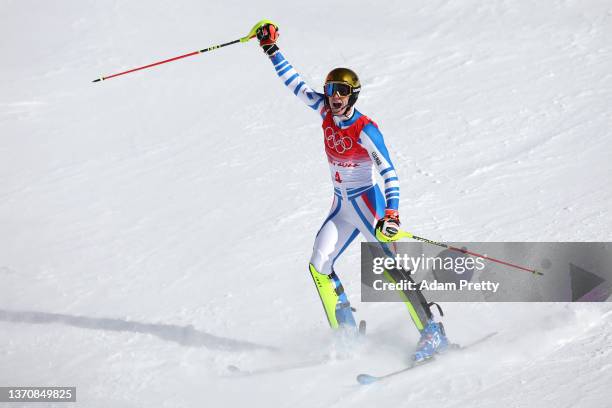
(337, 141)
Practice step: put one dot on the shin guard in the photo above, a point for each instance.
(335, 302)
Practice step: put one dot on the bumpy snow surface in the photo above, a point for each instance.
(155, 228)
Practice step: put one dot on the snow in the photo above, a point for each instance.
(156, 227)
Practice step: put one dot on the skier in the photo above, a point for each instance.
(354, 145)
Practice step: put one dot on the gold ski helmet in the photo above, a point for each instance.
(344, 82)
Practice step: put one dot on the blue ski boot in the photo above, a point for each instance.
(433, 340)
(344, 311)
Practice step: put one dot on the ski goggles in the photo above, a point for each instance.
(340, 88)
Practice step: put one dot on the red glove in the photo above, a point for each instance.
(267, 35)
(389, 225)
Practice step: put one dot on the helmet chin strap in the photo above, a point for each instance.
(347, 114)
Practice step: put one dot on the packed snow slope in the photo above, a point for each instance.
(156, 228)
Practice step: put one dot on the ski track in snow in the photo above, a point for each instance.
(156, 227)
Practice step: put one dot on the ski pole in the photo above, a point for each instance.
(246, 38)
(404, 234)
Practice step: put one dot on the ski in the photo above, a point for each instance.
(369, 379)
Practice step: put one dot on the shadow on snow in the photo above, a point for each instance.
(183, 335)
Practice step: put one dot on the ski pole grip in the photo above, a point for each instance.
(253, 31)
(400, 234)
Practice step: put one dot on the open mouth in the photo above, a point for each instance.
(337, 105)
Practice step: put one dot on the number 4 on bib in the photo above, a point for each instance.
(338, 179)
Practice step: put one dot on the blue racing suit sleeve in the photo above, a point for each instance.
(296, 84)
(372, 140)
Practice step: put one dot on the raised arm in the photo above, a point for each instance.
(267, 35)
